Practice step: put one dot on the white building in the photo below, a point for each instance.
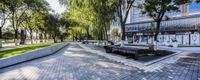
(183, 27)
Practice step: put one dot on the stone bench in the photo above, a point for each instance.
(127, 51)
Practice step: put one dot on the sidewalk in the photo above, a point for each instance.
(185, 49)
(77, 63)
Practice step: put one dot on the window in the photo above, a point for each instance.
(194, 7)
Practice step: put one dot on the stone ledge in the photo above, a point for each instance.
(27, 56)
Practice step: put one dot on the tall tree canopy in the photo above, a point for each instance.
(19, 8)
(123, 8)
(92, 15)
(101, 12)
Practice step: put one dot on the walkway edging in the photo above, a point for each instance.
(147, 67)
(28, 56)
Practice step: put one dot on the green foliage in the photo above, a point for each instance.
(115, 32)
(156, 9)
(91, 15)
(4, 13)
(21, 13)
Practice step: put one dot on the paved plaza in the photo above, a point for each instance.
(75, 63)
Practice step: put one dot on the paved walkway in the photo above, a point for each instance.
(75, 63)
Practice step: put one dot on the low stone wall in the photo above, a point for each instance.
(30, 55)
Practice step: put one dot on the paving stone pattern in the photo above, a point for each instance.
(74, 63)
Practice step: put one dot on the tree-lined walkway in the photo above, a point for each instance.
(74, 63)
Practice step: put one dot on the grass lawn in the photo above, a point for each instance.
(8, 53)
(136, 45)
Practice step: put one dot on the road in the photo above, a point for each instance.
(75, 63)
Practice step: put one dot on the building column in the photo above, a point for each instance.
(147, 39)
(133, 36)
(184, 10)
(189, 39)
(199, 38)
(182, 38)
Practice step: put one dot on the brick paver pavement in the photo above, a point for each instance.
(74, 63)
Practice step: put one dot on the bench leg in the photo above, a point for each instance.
(135, 57)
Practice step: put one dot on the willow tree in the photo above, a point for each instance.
(94, 16)
(104, 15)
(34, 23)
(52, 26)
(83, 16)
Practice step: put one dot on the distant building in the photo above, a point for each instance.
(183, 27)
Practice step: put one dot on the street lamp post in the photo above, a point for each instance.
(198, 28)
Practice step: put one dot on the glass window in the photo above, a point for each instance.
(194, 7)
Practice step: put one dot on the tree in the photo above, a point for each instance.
(14, 8)
(76, 33)
(19, 8)
(123, 8)
(4, 14)
(65, 24)
(52, 26)
(92, 15)
(115, 33)
(156, 9)
(104, 14)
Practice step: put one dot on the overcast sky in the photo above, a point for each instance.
(54, 4)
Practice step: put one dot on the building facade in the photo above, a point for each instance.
(183, 27)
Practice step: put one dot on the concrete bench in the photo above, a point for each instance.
(127, 51)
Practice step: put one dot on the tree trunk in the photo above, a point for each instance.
(157, 31)
(101, 38)
(62, 40)
(22, 37)
(106, 32)
(41, 37)
(36, 36)
(87, 33)
(54, 39)
(31, 37)
(15, 29)
(1, 39)
(45, 37)
(16, 38)
(73, 37)
(123, 31)
(2, 25)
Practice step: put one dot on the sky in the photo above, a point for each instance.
(54, 4)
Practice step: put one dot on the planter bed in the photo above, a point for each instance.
(135, 53)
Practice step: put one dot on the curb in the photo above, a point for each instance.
(54, 52)
(148, 66)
